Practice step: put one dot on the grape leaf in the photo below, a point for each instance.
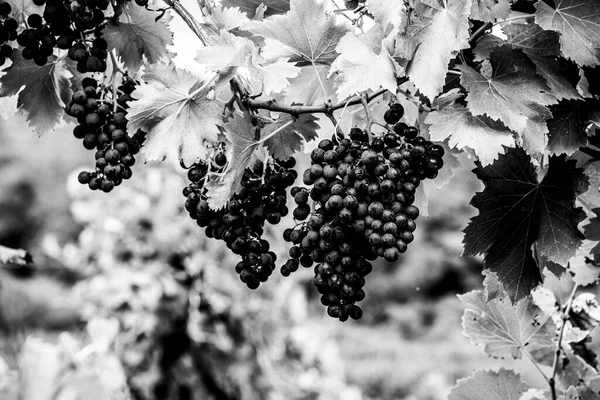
(542, 47)
(485, 385)
(305, 88)
(248, 6)
(485, 46)
(226, 50)
(572, 369)
(462, 129)
(14, 256)
(387, 12)
(490, 10)
(136, 34)
(503, 328)
(590, 199)
(224, 18)
(309, 32)
(577, 21)
(360, 68)
(515, 211)
(270, 77)
(177, 111)
(582, 268)
(439, 31)
(46, 89)
(229, 50)
(592, 230)
(567, 128)
(242, 134)
(513, 94)
(289, 140)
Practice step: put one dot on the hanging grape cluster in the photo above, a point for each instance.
(73, 25)
(8, 31)
(102, 126)
(363, 189)
(262, 199)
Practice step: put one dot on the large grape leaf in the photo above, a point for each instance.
(179, 113)
(462, 129)
(136, 35)
(513, 94)
(568, 126)
(542, 47)
(516, 211)
(438, 31)
(249, 6)
(490, 10)
(503, 328)
(489, 385)
(578, 22)
(46, 90)
(244, 135)
(290, 139)
(309, 32)
(361, 67)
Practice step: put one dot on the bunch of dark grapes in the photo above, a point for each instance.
(102, 125)
(75, 26)
(363, 189)
(262, 199)
(8, 31)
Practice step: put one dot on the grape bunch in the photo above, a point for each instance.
(364, 190)
(8, 31)
(262, 199)
(102, 125)
(75, 26)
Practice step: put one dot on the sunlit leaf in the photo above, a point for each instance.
(177, 111)
(136, 35)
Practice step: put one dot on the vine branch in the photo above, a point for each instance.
(189, 19)
(565, 318)
(479, 33)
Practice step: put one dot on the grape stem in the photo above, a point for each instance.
(564, 319)
(189, 19)
(479, 33)
(365, 102)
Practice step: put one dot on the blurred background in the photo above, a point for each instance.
(127, 299)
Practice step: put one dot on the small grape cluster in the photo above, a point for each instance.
(67, 25)
(8, 31)
(364, 190)
(102, 126)
(240, 224)
(353, 4)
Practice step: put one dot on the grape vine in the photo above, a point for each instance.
(390, 92)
